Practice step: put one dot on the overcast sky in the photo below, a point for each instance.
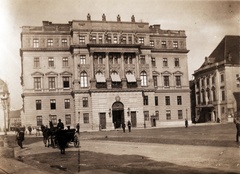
(205, 23)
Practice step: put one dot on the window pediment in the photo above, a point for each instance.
(166, 73)
(51, 73)
(37, 74)
(178, 73)
(155, 73)
(65, 73)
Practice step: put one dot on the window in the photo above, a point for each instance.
(168, 114)
(85, 102)
(83, 79)
(38, 104)
(66, 83)
(155, 83)
(208, 81)
(153, 61)
(115, 39)
(178, 80)
(53, 118)
(65, 61)
(157, 115)
(166, 81)
(37, 83)
(143, 78)
(64, 42)
(124, 40)
(68, 119)
(167, 100)
(223, 95)
(222, 77)
(213, 80)
(50, 62)
(151, 43)
(179, 100)
(203, 82)
(146, 115)
(50, 43)
(35, 43)
(109, 39)
(67, 103)
(142, 59)
(164, 44)
(82, 40)
(36, 62)
(130, 39)
(176, 61)
(175, 44)
(39, 120)
(141, 40)
(214, 95)
(156, 101)
(223, 110)
(180, 114)
(100, 39)
(51, 82)
(85, 118)
(165, 62)
(82, 59)
(145, 100)
(53, 104)
(94, 39)
(238, 80)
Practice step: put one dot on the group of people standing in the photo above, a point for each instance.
(129, 125)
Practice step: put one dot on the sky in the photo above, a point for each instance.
(205, 23)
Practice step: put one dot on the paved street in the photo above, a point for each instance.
(220, 154)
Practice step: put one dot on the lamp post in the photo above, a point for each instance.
(5, 109)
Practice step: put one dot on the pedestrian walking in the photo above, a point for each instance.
(78, 127)
(237, 122)
(20, 137)
(123, 126)
(129, 126)
(186, 123)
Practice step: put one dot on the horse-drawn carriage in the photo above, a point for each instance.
(58, 137)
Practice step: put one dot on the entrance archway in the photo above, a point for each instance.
(117, 114)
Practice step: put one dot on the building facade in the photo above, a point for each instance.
(217, 83)
(103, 73)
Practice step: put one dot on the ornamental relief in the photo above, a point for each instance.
(129, 67)
(84, 67)
(114, 67)
(144, 67)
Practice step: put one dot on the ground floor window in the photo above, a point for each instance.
(85, 118)
(53, 118)
(146, 115)
(168, 114)
(68, 119)
(39, 120)
(180, 115)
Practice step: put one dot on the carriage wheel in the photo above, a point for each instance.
(76, 141)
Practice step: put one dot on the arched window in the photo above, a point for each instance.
(143, 78)
(83, 79)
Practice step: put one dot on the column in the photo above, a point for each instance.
(107, 73)
(92, 80)
(137, 70)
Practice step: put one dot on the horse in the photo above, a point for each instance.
(46, 135)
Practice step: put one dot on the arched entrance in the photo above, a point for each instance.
(117, 114)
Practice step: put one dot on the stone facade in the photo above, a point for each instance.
(217, 83)
(109, 71)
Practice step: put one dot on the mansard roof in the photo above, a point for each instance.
(228, 50)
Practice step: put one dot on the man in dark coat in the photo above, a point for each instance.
(123, 126)
(237, 122)
(20, 137)
(129, 126)
(60, 125)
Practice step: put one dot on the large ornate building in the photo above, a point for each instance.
(217, 83)
(103, 73)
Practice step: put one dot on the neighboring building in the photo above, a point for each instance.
(103, 73)
(14, 119)
(193, 100)
(218, 82)
(4, 105)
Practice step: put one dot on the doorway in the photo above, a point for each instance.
(134, 119)
(117, 114)
(102, 117)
